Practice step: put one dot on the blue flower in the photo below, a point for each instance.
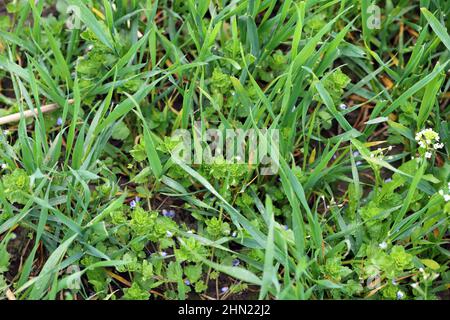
(168, 213)
(59, 121)
(236, 262)
(134, 203)
(187, 282)
(224, 289)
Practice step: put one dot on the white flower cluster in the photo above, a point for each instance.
(428, 140)
(446, 195)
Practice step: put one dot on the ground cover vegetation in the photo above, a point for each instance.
(93, 205)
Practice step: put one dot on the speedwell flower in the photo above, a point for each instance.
(168, 213)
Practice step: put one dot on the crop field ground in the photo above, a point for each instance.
(224, 150)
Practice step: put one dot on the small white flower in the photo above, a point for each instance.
(383, 245)
(415, 285)
(428, 155)
(400, 295)
(5, 132)
(421, 270)
(4, 166)
(343, 106)
(169, 234)
(447, 197)
(372, 155)
(390, 148)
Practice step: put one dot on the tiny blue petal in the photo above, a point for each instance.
(59, 121)
(236, 262)
(224, 289)
(133, 204)
(169, 214)
(187, 282)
